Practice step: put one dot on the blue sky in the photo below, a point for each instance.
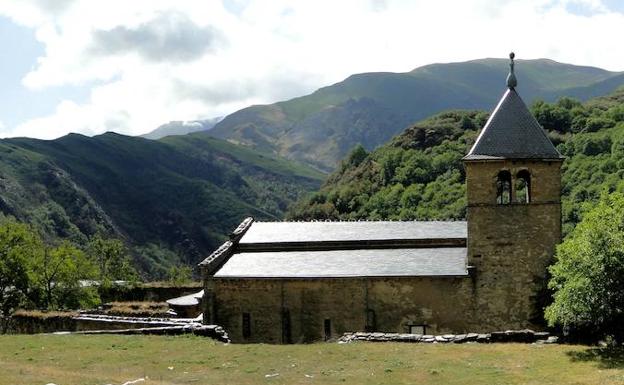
(588, 8)
(18, 56)
(614, 5)
(89, 67)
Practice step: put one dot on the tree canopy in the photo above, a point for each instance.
(588, 276)
(34, 274)
(112, 260)
(57, 273)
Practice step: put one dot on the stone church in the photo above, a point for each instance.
(291, 282)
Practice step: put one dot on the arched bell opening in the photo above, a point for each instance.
(503, 188)
(523, 186)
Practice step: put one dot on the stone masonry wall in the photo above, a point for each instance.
(351, 304)
(512, 245)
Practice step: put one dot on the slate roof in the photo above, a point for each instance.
(347, 263)
(282, 232)
(187, 300)
(341, 249)
(512, 133)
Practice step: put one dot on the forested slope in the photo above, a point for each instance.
(419, 173)
(172, 200)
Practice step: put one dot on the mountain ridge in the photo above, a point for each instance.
(403, 98)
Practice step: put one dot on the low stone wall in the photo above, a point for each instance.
(518, 336)
(37, 322)
(76, 323)
(211, 331)
(107, 322)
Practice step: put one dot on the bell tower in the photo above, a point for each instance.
(513, 183)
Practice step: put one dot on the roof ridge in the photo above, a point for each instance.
(365, 221)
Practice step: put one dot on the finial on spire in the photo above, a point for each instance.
(511, 78)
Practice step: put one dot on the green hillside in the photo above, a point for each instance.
(319, 129)
(419, 174)
(172, 200)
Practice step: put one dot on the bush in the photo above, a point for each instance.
(594, 124)
(179, 275)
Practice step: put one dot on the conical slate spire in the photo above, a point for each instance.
(512, 132)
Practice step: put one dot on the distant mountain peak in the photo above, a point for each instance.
(182, 127)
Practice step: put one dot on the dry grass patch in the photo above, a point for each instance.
(73, 359)
(137, 309)
(44, 314)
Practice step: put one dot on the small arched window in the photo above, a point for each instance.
(523, 187)
(503, 188)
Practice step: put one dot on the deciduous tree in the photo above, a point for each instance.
(111, 259)
(588, 276)
(19, 245)
(57, 273)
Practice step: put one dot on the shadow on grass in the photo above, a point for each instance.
(605, 358)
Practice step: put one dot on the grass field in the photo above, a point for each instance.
(65, 360)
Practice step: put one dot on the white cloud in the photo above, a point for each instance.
(151, 61)
(170, 37)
